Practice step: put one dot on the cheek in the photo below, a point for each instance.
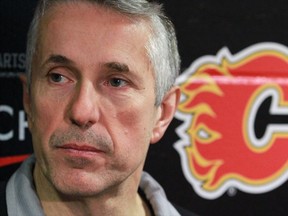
(44, 117)
(131, 138)
(43, 125)
(136, 124)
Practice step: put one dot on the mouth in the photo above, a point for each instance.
(80, 156)
(79, 150)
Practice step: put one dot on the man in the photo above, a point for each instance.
(99, 90)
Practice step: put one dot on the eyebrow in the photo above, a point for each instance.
(58, 59)
(117, 66)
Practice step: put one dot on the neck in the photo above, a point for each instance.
(115, 202)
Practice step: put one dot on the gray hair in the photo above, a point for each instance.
(162, 47)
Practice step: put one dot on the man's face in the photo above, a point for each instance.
(91, 108)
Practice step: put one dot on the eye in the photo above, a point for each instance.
(57, 78)
(117, 82)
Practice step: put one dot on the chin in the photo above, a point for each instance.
(76, 187)
(78, 183)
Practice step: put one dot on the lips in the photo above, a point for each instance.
(80, 148)
(80, 156)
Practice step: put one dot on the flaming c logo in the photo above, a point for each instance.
(234, 110)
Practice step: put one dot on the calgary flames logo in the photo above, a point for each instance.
(235, 121)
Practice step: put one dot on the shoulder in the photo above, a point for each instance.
(3, 205)
(184, 212)
(156, 197)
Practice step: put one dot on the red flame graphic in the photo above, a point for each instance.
(219, 97)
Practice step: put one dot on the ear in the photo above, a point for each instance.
(26, 95)
(165, 113)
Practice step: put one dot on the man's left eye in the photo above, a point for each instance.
(57, 78)
(116, 82)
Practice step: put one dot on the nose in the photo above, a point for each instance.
(83, 109)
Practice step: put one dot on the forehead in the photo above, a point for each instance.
(82, 11)
(94, 29)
